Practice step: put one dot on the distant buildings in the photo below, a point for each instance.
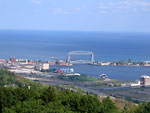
(45, 66)
(105, 63)
(42, 66)
(28, 66)
(138, 83)
(52, 62)
(22, 61)
(62, 63)
(145, 80)
(68, 72)
(104, 77)
(147, 63)
(3, 61)
(65, 70)
(13, 59)
(59, 71)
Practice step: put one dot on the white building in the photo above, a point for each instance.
(145, 80)
(22, 61)
(43, 66)
(138, 83)
(105, 63)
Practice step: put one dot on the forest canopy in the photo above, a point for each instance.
(20, 98)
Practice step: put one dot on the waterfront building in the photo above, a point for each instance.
(147, 63)
(105, 63)
(28, 66)
(23, 70)
(52, 62)
(2, 61)
(62, 63)
(138, 83)
(103, 76)
(22, 61)
(67, 72)
(59, 71)
(31, 63)
(145, 80)
(13, 59)
(43, 66)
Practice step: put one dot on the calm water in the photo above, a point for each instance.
(106, 46)
(114, 72)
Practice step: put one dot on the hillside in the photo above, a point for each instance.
(9, 79)
(20, 98)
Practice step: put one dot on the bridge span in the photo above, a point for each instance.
(80, 53)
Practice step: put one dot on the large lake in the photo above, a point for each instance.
(105, 46)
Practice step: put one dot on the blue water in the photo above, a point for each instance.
(105, 46)
(45, 44)
(114, 72)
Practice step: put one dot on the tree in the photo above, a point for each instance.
(49, 94)
(30, 106)
(90, 104)
(108, 106)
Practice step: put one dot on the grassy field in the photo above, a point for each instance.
(81, 78)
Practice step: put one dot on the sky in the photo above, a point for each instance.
(80, 15)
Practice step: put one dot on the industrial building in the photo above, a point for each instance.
(138, 83)
(42, 66)
(52, 62)
(145, 80)
(22, 61)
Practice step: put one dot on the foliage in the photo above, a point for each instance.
(38, 99)
(8, 78)
(52, 100)
(48, 70)
(77, 78)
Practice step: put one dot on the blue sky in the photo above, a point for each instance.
(82, 15)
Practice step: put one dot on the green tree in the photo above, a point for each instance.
(30, 106)
(108, 106)
(90, 104)
(49, 94)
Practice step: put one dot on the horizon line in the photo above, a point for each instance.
(73, 30)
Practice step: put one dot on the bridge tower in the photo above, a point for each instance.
(80, 53)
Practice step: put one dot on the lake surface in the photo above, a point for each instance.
(114, 72)
(42, 45)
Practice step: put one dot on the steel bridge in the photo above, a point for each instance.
(80, 53)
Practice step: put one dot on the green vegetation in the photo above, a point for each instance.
(52, 100)
(77, 78)
(129, 62)
(49, 70)
(9, 79)
(41, 99)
